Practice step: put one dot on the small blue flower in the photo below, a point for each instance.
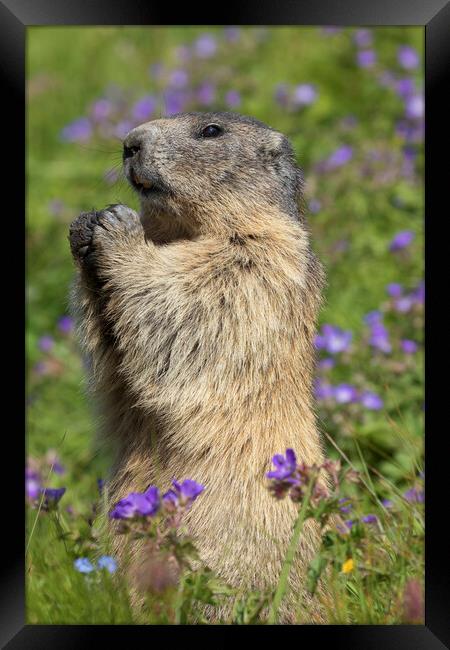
(369, 519)
(83, 565)
(107, 562)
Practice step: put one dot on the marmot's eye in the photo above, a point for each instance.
(128, 152)
(211, 131)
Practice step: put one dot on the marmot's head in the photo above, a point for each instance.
(196, 170)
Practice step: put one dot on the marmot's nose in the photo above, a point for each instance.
(129, 152)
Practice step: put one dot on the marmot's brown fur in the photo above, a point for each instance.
(198, 317)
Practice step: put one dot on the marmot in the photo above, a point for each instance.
(198, 316)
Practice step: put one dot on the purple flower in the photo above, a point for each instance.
(107, 562)
(401, 240)
(83, 565)
(101, 110)
(137, 504)
(407, 57)
(363, 37)
(32, 484)
(304, 94)
(366, 58)
(373, 317)
(322, 390)
(78, 131)
(206, 93)
(51, 497)
(379, 337)
(394, 289)
(408, 346)
(326, 364)
(345, 393)
(387, 503)
(414, 107)
(285, 466)
(369, 519)
(339, 157)
(414, 495)
(371, 401)
(100, 485)
(349, 523)
(205, 46)
(345, 505)
(405, 87)
(403, 304)
(232, 99)
(179, 78)
(314, 206)
(333, 339)
(65, 324)
(46, 343)
(144, 108)
(418, 294)
(183, 493)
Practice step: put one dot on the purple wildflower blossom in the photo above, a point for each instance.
(178, 78)
(405, 87)
(333, 339)
(379, 337)
(373, 317)
(101, 110)
(408, 346)
(185, 492)
(407, 57)
(345, 505)
(144, 108)
(314, 206)
(394, 289)
(401, 240)
(32, 484)
(107, 562)
(137, 504)
(369, 519)
(205, 46)
(339, 157)
(415, 107)
(371, 401)
(78, 131)
(46, 343)
(387, 503)
(52, 496)
(403, 304)
(366, 58)
(345, 393)
(285, 466)
(304, 94)
(326, 364)
(65, 324)
(418, 294)
(206, 93)
(413, 495)
(363, 37)
(83, 565)
(323, 390)
(232, 98)
(349, 523)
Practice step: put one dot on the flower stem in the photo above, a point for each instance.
(284, 575)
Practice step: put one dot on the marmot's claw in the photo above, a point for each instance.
(113, 219)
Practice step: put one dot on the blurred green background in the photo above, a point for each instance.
(351, 101)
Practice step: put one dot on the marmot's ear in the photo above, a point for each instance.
(278, 154)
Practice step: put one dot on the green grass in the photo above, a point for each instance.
(363, 204)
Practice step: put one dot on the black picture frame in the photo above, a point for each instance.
(15, 17)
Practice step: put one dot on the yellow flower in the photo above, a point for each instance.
(348, 566)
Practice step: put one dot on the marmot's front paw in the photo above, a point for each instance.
(91, 232)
